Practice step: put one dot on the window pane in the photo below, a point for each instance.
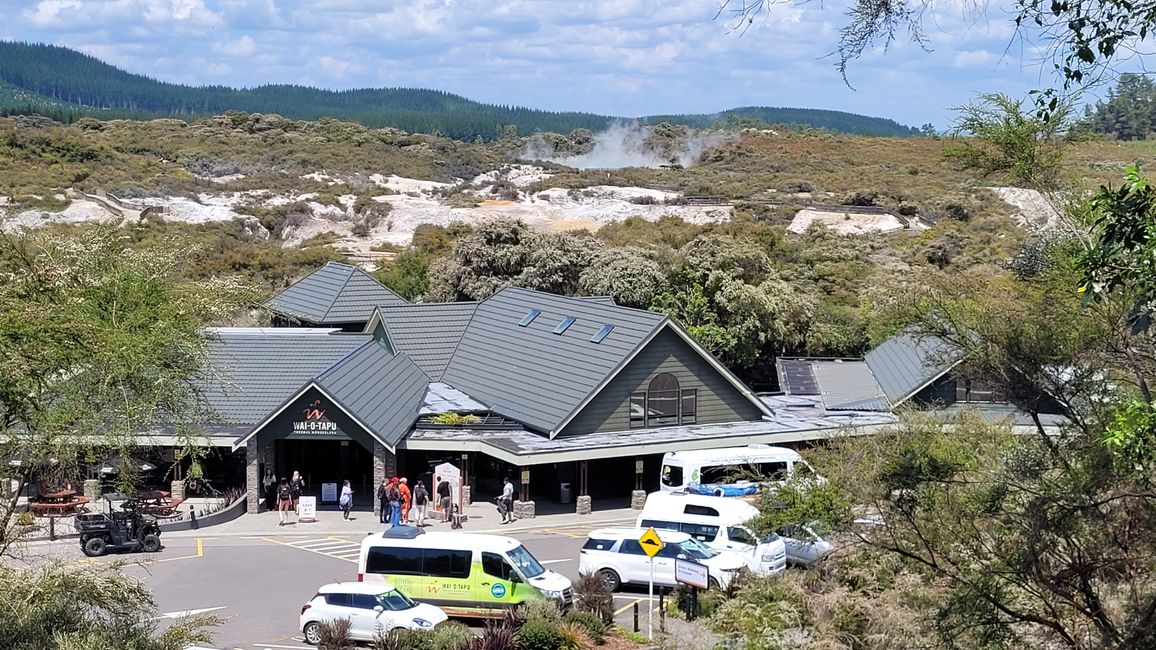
(566, 322)
(631, 547)
(695, 509)
(689, 406)
(662, 400)
(493, 564)
(529, 317)
(340, 600)
(773, 471)
(739, 535)
(637, 410)
(594, 544)
(394, 560)
(672, 475)
(701, 532)
(365, 601)
(447, 564)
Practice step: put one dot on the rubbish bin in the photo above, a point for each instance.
(564, 493)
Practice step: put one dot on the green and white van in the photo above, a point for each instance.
(465, 574)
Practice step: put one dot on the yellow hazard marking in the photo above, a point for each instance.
(200, 553)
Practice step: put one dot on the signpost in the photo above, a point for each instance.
(307, 509)
(651, 545)
(696, 575)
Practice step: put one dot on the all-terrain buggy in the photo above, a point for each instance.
(122, 529)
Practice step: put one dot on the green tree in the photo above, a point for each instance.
(1003, 139)
(406, 274)
(1129, 112)
(629, 275)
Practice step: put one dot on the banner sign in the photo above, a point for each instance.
(307, 509)
(691, 573)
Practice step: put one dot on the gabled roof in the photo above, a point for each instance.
(251, 370)
(907, 363)
(333, 294)
(382, 391)
(533, 375)
(428, 333)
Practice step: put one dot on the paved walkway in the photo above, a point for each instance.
(483, 518)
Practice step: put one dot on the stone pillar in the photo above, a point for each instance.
(177, 490)
(384, 465)
(467, 495)
(584, 505)
(252, 480)
(637, 499)
(92, 490)
(523, 509)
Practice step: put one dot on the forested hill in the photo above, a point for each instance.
(66, 84)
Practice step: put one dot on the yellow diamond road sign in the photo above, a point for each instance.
(650, 542)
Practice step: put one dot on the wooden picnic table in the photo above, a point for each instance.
(57, 504)
(157, 503)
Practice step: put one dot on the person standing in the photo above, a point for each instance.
(269, 484)
(284, 501)
(508, 502)
(394, 503)
(346, 499)
(420, 501)
(297, 485)
(406, 497)
(444, 499)
(383, 499)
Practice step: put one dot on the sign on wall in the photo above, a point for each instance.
(312, 422)
(328, 492)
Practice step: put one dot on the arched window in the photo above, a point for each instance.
(662, 400)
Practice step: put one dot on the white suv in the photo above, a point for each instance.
(616, 555)
(371, 607)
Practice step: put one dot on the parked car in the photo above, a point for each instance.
(616, 556)
(370, 607)
(122, 529)
(718, 522)
(805, 543)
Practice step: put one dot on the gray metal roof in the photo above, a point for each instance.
(333, 294)
(250, 372)
(443, 398)
(428, 333)
(906, 363)
(533, 375)
(382, 391)
(848, 384)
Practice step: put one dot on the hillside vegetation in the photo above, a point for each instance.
(65, 84)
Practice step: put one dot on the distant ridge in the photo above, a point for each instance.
(66, 85)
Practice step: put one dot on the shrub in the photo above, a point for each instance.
(592, 595)
(402, 639)
(334, 635)
(452, 636)
(495, 637)
(25, 519)
(629, 635)
(539, 634)
(573, 636)
(540, 609)
(591, 623)
(644, 200)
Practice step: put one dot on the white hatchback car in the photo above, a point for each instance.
(616, 555)
(371, 607)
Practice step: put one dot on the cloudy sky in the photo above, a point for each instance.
(617, 57)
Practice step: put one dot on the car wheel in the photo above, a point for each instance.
(95, 547)
(711, 583)
(151, 543)
(312, 633)
(610, 579)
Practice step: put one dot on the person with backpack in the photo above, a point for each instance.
(297, 485)
(346, 500)
(394, 494)
(284, 500)
(420, 501)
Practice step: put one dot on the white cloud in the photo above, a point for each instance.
(973, 59)
(240, 48)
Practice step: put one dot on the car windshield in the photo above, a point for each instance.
(525, 562)
(395, 601)
(698, 549)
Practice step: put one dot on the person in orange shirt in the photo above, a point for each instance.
(406, 496)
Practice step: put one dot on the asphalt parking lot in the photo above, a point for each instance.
(258, 584)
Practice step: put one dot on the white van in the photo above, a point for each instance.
(720, 523)
(465, 574)
(615, 555)
(722, 472)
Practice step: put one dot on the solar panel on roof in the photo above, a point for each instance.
(529, 317)
(566, 322)
(799, 377)
(602, 333)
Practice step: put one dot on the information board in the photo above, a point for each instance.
(307, 509)
(691, 573)
(328, 492)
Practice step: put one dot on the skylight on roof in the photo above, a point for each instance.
(529, 317)
(566, 322)
(602, 333)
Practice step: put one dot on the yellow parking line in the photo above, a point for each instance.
(628, 606)
(300, 548)
(200, 553)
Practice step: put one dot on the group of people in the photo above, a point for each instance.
(283, 495)
(400, 504)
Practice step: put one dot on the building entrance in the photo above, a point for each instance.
(322, 462)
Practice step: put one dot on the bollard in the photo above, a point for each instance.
(662, 612)
(193, 518)
(636, 617)
(52, 529)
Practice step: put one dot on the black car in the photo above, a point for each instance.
(122, 529)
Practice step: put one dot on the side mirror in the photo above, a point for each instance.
(682, 556)
(378, 608)
(515, 578)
